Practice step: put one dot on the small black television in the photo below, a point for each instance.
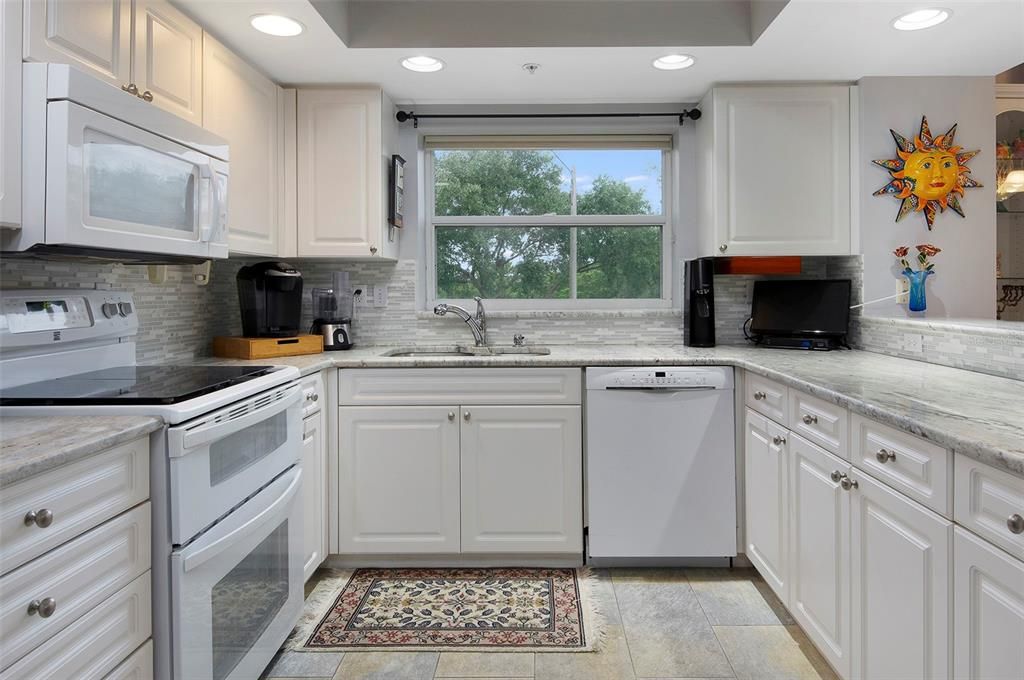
(800, 308)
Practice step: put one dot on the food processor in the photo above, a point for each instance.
(332, 313)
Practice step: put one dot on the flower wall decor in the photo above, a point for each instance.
(917, 301)
(929, 174)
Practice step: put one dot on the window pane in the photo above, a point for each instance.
(618, 262)
(502, 262)
(513, 182)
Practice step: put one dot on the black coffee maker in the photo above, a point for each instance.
(700, 302)
(270, 295)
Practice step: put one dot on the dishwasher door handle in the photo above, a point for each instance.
(660, 388)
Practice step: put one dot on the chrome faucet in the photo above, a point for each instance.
(477, 324)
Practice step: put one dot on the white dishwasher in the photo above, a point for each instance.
(661, 464)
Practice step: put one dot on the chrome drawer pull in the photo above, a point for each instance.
(809, 419)
(848, 483)
(44, 608)
(42, 518)
(1015, 523)
(759, 395)
(837, 475)
(884, 456)
(778, 441)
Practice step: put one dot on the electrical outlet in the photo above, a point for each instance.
(380, 296)
(360, 296)
(913, 342)
(902, 290)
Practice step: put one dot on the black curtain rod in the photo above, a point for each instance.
(403, 116)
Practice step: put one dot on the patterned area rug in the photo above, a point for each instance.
(507, 609)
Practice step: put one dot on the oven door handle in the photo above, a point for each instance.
(208, 552)
(184, 439)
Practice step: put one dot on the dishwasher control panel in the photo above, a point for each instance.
(667, 377)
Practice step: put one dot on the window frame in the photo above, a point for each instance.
(664, 220)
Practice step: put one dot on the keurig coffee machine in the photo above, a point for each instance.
(270, 295)
(700, 302)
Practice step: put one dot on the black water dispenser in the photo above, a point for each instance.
(700, 302)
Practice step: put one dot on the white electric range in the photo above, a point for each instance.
(225, 474)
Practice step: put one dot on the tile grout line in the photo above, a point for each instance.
(696, 596)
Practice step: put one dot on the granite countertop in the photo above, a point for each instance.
(976, 415)
(31, 445)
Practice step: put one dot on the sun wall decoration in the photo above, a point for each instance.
(929, 174)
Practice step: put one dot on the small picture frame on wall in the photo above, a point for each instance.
(396, 192)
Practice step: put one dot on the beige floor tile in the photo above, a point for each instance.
(604, 594)
(729, 598)
(774, 602)
(778, 652)
(304, 664)
(387, 666)
(666, 630)
(484, 665)
(646, 575)
(610, 662)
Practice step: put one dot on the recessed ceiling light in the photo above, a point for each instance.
(275, 24)
(922, 18)
(423, 64)
(673, 62)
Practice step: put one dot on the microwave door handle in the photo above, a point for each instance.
(206, 433)
(207, 202)
(207, 553)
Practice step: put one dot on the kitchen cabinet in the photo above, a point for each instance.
(10, 114)
(246, 108)
(521, 479)
(988, 587)
(399, 479)
(767, 501)
(902, 607)
(774, 174)
(346, 137)
(147, 43)
(820, 549)
(314, 493)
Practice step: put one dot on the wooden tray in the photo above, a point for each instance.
(267, 348)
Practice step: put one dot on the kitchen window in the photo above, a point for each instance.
(549, 222)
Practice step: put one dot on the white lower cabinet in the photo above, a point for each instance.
(767, 501)
(399, 479)
(819, 596)
(901, 603)
(522, 478)
(988, 586)
(314, 493)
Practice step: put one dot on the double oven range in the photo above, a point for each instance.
(225, 473)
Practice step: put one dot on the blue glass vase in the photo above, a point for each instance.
(917, 302)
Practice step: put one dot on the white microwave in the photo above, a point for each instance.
(110, 176)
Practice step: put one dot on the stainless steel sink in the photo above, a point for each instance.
(465, 351)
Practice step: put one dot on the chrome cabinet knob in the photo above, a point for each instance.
(848, 483)
(43, 608)
(315, 397)
(373, 250)
(884, 456)
(41, 518)
(778, 441)
(146, 96)
(724, 247)
(131, 88)
(465, 416)
(759, 395)
(451, 415)
(1015, 523)
(810, 419)
(836, 475)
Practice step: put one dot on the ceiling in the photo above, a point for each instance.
(808, 40)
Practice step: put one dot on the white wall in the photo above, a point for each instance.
(964, 282)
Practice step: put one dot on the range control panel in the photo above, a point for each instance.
(675, 377)
(43, 317)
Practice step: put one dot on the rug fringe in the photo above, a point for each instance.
(594, 616)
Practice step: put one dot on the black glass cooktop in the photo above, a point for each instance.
(131, 385)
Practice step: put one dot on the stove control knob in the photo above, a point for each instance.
(124, 308)
(109, 309)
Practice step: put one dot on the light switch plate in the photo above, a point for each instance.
(360, 296)
(380, 295)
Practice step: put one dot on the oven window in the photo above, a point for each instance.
(247, 599)
(234, 453)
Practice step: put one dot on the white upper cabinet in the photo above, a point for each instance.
(94, 35)
(246, 108)
(345, 141)
(10, 114)
(774, 170)
(168, 51)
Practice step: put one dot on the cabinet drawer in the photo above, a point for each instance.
(312, 393)
(465, 386)
(96, 643)
(988, 502)
(824, 423)
(919, 468)
(78, 496)
(767, 397)
(138, 666)
(79, 575)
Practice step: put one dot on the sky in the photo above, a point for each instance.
(641, 169)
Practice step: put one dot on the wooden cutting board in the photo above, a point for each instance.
(266, 348)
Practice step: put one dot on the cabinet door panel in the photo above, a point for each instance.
(820, 550)
(901, 586)
(399, 479)
(522, 479)
(168, 50)
(94, 35)
(10, 114)
(988, 587)
(241, 105)
(767, 509)
(314, 493)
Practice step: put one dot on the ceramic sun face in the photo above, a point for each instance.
(929, 173)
